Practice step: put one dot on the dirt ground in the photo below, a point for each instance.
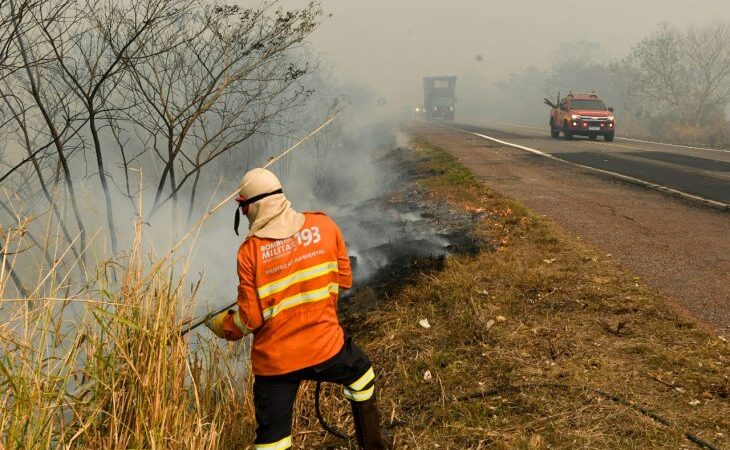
(680, 248)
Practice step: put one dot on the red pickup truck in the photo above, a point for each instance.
(581, 115)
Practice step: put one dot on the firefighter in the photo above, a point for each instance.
(291, 267)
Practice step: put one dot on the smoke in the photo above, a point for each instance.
(389, 46)
(350, 171)
(345, 172)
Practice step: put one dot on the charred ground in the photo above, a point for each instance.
(421, 231)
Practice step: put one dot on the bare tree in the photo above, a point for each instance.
(50, 105)
(13, 15)
(683, 73)
(226, 79)
(89, 44)
(19, 117)
(708, 49)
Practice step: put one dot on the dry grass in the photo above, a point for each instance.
(542, 309)
(716, 134)
(107, 370)
(713, 134)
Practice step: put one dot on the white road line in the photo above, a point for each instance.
(543, 129)
(709, 149)
(676, 145)
(649, 184)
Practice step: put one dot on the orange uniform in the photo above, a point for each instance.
(287, 295)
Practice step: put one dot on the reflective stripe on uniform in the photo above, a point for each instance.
(297, 277)
(358, 396)
(239, 323)
(363, 380)
(300, 299)
(278, 445)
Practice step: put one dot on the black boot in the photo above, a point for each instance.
(367, 426)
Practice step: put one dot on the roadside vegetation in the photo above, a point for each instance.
(107, 369)
(529, 341)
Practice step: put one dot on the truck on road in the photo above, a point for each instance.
(581, 115)
(439, 99)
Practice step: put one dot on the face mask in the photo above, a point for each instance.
(244, 203)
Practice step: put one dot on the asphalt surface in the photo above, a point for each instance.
(699, 172)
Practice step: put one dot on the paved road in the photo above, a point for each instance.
(699, 172)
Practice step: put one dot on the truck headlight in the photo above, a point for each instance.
(574, 116)
(610, 118)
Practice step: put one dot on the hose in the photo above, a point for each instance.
(325, 425)
(701, 443)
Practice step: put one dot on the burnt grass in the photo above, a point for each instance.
(434, 231)
(529, 329)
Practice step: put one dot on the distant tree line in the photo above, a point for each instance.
(674, 84)
(679, 75)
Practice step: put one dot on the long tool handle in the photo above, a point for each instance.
(202, 320)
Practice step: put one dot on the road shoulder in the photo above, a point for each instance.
(674, 245)
(539, 342)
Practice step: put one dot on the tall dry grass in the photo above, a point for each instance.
(673, 131)
(106, 368)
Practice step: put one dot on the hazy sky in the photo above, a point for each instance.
(389, 45)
